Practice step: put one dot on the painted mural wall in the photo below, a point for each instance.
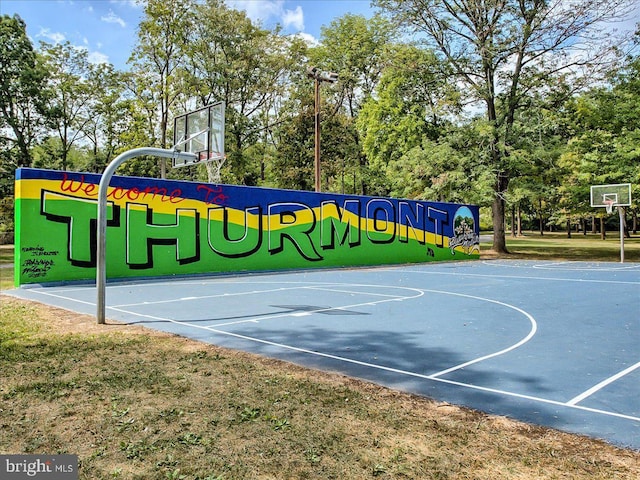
(163, 228)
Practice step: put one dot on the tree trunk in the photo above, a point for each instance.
(540, 219)
(499, 240)
(519, 221)
(513, 221)
(568, 227)
(625, 227)
(603, 233)
(497, 210)
(163, 143)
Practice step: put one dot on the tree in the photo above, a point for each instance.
(293, 163)
(503, 51)
(357, 48)
(413, 106)
(68, 70)
(108, 115)
(22, 94)
(157, 60)
(605, 145)
(232, 60)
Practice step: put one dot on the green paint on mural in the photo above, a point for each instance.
(173, 235)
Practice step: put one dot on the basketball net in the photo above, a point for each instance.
(214, 167)
(609, 204)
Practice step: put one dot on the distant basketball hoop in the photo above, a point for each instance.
(611, 196)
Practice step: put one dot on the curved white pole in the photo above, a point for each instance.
(101, 272)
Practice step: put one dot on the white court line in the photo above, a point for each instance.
(315, 285)
(309, 312)
(529, 336)
(571, 404)
(281, 289)
(61, 297)
(521, 277)
(568, 266)
(204, 297)
(356, 292)
(390, 369)
(602, 384)
(255, 319)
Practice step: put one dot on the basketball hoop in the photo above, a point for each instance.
(609, 196)
(200, 132)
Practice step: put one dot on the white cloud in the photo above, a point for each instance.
(258, 10)
(128, 3)
(113, 18)
(293, 18)
(267, 11)
(308, 38)
(93, 57)
(55, 37)
(97, 57)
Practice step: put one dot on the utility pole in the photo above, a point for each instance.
(318, 77)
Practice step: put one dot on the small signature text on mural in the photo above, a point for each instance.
(40, 263)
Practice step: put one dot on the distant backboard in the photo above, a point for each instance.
(200, 132)
(614, 195)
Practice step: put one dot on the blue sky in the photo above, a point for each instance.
(107, 28)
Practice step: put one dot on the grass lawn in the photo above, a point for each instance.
(6, 267)
(556, 246)
(138, 404)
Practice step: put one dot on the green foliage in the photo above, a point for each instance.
(605, 143)
(398, 122)
(357, 49)
(6, 214)
(22, 96)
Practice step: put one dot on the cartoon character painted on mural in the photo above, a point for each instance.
(465, 232)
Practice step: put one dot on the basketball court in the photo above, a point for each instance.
(549, 343)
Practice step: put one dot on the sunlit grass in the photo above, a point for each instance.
(6, 266)
(556, 246)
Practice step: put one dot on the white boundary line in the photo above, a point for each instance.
(388, 369)
(602, 384)
(62, 297)
(435, 377)
(315, 310)
(529, 336)
(560, 266)
(522, 277)
(204, 297)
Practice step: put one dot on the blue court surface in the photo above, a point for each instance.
(549, 343)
